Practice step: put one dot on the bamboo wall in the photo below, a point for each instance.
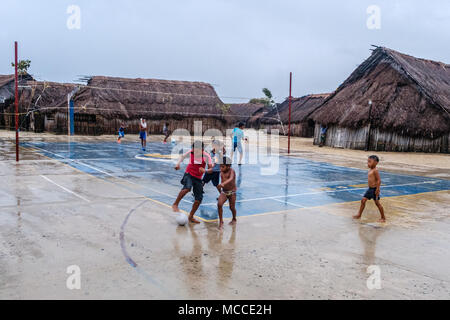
(380, 140)
(297, 129)
(156, 126)
(97, 125)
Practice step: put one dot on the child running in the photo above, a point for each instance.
(217, 153)
(374, 182)
(166, 132)
(227, 190)
(121, 133)
(192, 178)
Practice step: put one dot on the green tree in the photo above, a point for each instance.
(267, 101)
(22, 66)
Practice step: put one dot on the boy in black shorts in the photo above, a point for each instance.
(192, 178)
(216, 155)
(374, 182)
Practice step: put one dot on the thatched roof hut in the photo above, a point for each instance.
(179, 103)
(409, 109)
(45, 104)
(7, 86)
(300, 109)
(7, 95)
(242, 112)
(278, 117)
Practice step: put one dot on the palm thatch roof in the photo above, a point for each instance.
(46, 97)
(148, 98)
(410, 96)
(300, 109)
(5, 79)
(7, 85)
(242, 112)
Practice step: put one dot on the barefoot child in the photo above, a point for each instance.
(227, 190)
(374, 182)
(192, 178)
(216, 154)
(143, 133)
(121, 132)
(166, 132)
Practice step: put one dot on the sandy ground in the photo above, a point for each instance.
(314, 253)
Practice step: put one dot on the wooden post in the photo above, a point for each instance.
(369, 126)
(16, 89)
(290, 106)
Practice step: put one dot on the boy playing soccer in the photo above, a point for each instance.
(216, 154)
(374, 182)
(192, 178)
(227, 190)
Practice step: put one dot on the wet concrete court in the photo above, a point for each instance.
(298, 183)
(105, 207)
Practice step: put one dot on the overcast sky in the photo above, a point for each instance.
(239, 46)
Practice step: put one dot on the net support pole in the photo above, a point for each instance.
(16, 96)
(70, 116)
(290, 107)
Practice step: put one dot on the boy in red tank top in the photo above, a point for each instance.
(192, 179)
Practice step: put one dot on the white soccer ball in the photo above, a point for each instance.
(182, 219)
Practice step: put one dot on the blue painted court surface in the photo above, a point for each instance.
(299, 183)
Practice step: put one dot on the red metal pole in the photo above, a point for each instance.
(16, 103)
(290, 106)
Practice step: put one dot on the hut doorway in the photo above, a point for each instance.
(39, 122)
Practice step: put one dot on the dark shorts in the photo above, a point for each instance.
(370, 194)
(143, 135)
(322, 137)
(238, 146)
(214, 177)
(189, 182)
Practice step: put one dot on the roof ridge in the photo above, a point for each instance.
(113, 78)
(421, 88)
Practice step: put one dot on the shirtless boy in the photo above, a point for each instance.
(227, 189)
(374, 182)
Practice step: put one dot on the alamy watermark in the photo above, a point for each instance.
(74, 19)
(257, 147)
(374, 280)
(374, 19)
(73, 281)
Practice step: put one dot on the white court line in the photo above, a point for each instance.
(327, 191)
(108, 174)
(65, 189)
(289, 203)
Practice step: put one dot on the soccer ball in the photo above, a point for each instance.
(182, 219)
